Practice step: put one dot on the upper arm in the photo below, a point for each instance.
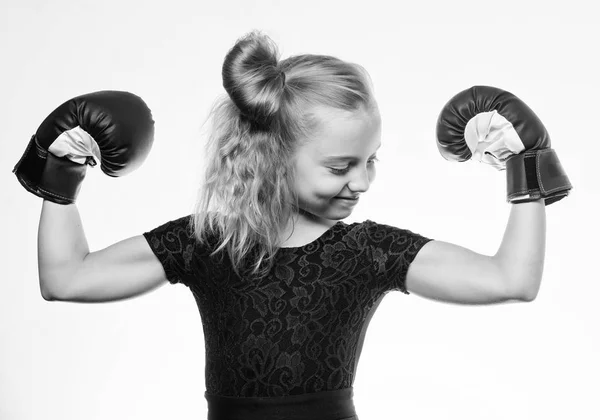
(123, 270)
(450, 273)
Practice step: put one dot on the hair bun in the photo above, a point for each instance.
(253, 79)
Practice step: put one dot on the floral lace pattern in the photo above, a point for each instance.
(300, 329)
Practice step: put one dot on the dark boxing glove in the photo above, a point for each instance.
(113, 127)
(495, 127)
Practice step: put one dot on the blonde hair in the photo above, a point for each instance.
(247, 196)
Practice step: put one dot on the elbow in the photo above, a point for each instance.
(521, 285)
(48, 297)
(529, 295)
(530, 285)
(525, 290)
(48, 292)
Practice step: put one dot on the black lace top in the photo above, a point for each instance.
(300, 329)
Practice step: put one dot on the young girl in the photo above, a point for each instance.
(285, 288)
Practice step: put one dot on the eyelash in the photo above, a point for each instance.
(346, 169)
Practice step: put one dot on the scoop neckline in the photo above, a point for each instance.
(320, 238)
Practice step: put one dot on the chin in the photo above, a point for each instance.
(326, 208)
(329, 213)
(338, 214)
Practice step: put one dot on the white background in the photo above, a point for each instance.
(144, 358)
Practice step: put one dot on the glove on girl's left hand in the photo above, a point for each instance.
(495, 127)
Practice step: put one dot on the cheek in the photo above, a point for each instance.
(328, 186)
(372, 174)
(319, 185)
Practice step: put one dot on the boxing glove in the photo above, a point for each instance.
(112, 128)
(493, 126)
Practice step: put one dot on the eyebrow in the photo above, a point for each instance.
(342, 158)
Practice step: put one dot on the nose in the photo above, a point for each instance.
(361, 179)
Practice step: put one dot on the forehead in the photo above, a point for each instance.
(338, 132)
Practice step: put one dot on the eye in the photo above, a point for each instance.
(340, 171)
(345, 170)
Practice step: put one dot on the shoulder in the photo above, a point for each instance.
(382, 239)
(390, 250)
(177, 230)
(375, 232)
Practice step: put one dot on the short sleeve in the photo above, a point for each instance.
(392, 250)
(174, 243)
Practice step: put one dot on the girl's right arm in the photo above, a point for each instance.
(68, 271)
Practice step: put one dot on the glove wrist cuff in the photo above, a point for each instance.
(534, 175)
(52, 178)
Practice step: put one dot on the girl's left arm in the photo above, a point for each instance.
(450, 273)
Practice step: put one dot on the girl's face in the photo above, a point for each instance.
(338, 162)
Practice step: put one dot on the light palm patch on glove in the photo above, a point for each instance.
(76, 145)
(492, 139)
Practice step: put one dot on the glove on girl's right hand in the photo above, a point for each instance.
(113, 126)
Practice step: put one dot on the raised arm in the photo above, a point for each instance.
(450, 273)
(495, 127)
(111, 129)
(68, 271)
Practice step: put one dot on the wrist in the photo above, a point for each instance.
(61, 179)
(536, 175)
